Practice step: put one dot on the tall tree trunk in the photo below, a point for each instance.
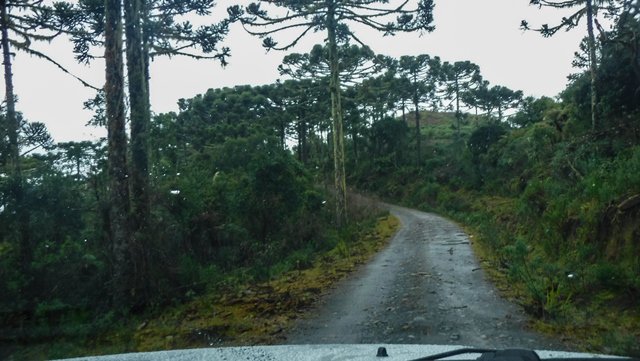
(404, 115)
(146, 36)
(592, 65)
(139, 123)
(418, 135)
(13, 157)
(336, 115)
(354, 138)
(302, 138)
(283, 133)
(12, 127)
(299, 129)
(117, 155)
(304, 143)
(457, 107)
(477, 116)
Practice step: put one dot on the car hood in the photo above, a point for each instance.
(338, 352)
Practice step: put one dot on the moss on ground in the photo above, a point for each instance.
(259, 313)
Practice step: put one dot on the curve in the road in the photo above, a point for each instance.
(425, 287)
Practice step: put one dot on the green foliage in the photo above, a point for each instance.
(233, 200)
(484, 137)
(225, 210)
(355, 62)
(534, 110)
(342, 249)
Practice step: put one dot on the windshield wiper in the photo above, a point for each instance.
(513, 355)
(457, 352)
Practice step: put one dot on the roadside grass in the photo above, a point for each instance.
(260, 313)
(605, 322)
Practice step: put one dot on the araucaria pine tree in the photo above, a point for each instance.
(24, 23)
(336, 18)
(579, 9)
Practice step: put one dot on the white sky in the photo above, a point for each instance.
(485, 32)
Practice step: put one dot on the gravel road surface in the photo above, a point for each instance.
(425, 287)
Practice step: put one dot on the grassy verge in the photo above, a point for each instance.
(602, 322)
(243, 314)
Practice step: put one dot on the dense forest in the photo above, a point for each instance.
(245, 183)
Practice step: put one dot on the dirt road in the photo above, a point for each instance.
(425, 287)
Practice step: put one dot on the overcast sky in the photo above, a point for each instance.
(485, 32)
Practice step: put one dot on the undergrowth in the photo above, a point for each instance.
(247, 306)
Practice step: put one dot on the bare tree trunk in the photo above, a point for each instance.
(302, 138)
(145, 46)
(592, 66)
(117, 154)
(139, 123)
(299, 129)
(457, 107)
(404, 115)
(283, 133)
(418, 135)
(12, 125)
(477, 116)
(354, 138)
(336, 114)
